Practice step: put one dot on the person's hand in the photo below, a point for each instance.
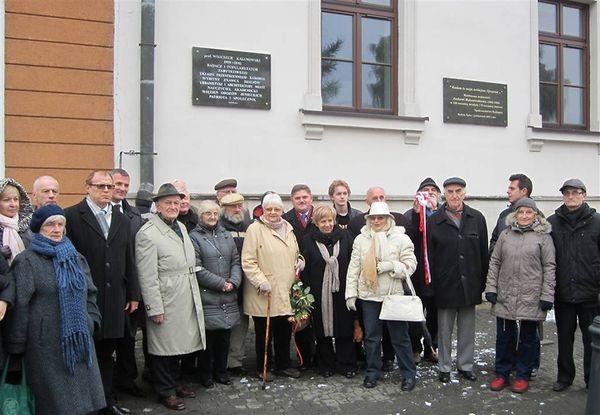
(131, 306)
(264, 288)
(158, 319)
(227, 287)
(5, 251)
(3, 307)
(546, 305)
(491, 297)
(385, 266)
(416, 206)
(357, 336)
(351, 304)
(299, 265)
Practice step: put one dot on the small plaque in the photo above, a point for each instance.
(474, 102)
(227, 78)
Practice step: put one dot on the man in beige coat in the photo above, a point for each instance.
(166, 264)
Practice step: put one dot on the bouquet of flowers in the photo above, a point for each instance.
(301, 300)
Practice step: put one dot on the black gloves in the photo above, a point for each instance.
(545, 305)
(491, 297)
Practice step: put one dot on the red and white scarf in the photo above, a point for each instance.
(423, 229)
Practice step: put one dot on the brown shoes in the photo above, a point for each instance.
(185, 392)
(174, 403)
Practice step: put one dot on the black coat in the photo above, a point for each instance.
(299, 230)
(458, 258)
(418, 278)
(111, 263)
(343, 320)
(577, 256)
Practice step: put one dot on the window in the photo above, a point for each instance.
(563, 64)
(358, 55)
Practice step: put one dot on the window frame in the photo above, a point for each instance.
(357, 9)
(561, 41)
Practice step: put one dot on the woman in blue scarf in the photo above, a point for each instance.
(54, 318)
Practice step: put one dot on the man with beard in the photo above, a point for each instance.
(233, 220)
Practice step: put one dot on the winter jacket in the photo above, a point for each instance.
(458, 257)
(219, 262)
(401, 254)
(577, 255)
(268, 257)
(521, 271)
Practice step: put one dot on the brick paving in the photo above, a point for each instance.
(312, 394)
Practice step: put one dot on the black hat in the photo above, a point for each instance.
(165, 190)
(428, 182)
(455, 180)
(40, 215)
(574, 183)
(226, 183)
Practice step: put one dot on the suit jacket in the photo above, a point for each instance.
(299, 230)
(111, 264)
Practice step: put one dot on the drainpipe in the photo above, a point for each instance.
(147, 95)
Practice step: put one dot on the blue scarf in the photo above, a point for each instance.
(76, 340)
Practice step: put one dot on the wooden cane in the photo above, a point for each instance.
(265, 363)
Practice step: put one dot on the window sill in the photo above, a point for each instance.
(315, 122)
(536, 137)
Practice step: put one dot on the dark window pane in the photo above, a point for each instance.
(572, 21)
(376, 40)
(378, 2)
(548, 103)
(336, 36)
(376, 86)
(573, 105)
(547, 17)
(548, 57)
(573, 66)
(336, 83)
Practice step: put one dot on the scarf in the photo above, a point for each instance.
(278, 227)
(76, 340)
(423, 215)
(10, 235)
(331, 284)
(574, 216)
(378, 251)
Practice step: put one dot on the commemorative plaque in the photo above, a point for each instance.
(227, 78)
(474, 102)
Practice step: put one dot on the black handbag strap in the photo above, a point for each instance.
(5, 371)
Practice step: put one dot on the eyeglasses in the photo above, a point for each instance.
(102, 186)
(569, 193)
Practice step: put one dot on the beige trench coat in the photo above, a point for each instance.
(268, 257)
(166, 269)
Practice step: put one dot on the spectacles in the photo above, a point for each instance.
(569, 193)
(103, 186)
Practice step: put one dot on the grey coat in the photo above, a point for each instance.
(34, 329)
(219, 262)
(521, 271)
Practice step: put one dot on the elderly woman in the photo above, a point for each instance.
(54, 319)
(382, 256)
(15, 214)
(327, 249)
(520, 286)
(270, 257)
(166, 264)
(219, 277)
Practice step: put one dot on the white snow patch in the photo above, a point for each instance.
(427, 403)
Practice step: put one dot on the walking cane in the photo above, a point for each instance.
(264, 377)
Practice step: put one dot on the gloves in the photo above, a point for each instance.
(491, 297)
(264, 288)
(5, 251)
(385, 266)
(546, 305)
(351, 304)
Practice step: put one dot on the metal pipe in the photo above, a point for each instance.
(147, 93)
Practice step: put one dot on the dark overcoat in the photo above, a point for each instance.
(458, 257)
(299, 230)
(34, 329)
(7, 293)
(343, 320)
(418, 278)
(111, 263)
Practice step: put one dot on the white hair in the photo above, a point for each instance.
(272, 199)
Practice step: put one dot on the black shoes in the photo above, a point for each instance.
(408, 384)
(387, 366)
(237, 371)
(114, 410)
(560, 386)
(327, 373)
(369, 383)
(289, 373)
(223, 380)
(207, 383)
(444, 377)
(350, 374)
(468, 375)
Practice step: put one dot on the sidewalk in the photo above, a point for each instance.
(312, 394)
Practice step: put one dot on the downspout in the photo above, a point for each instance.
(147, 95)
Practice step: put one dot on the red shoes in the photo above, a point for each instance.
(520, 386)
(498, 383)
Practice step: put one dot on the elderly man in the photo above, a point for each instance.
(233, 220)
(225, 187)
(339, 192)
(103, 236)
(188, 215)
(166, 263)
(576, 235)
(458, 259)
(45, 191)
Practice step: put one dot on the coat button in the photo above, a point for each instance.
(107, 265)
(461, 256)
(108, 284)
(459, 236)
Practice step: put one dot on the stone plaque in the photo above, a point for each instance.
(227, 78)
(474, 102)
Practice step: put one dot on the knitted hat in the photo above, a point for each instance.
(455, 180)
(43, 213)
(526, 202)
(428, 182)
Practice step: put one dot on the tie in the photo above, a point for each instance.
(119, 208)
(101, 218)
(304, 217)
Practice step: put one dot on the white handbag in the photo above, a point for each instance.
(400, 307)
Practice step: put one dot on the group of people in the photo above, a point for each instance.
(77, 284)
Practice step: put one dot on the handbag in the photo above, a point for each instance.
(16, 399)
(401, 307)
